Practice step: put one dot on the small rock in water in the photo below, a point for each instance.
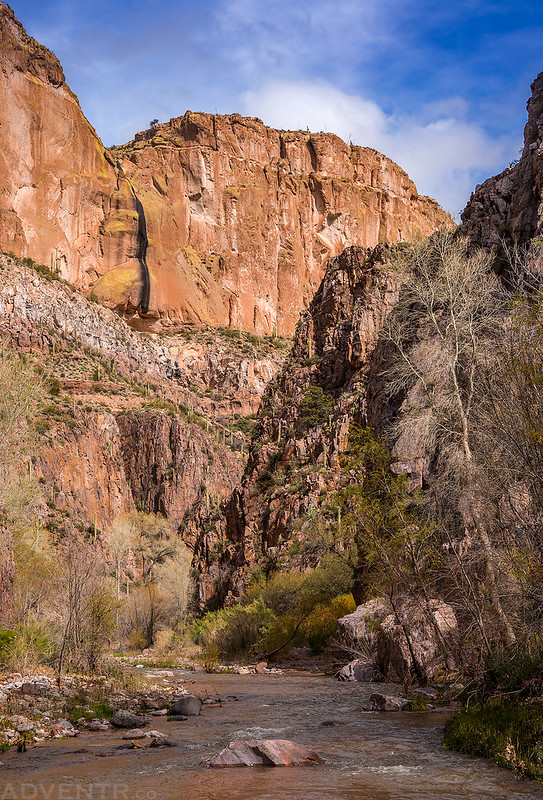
(263, 753)
(155, 735)
(177, 718)
(136, 733)
(163, 741)
(187, 705)
(358, 670)
(385, 702)
(159, 713)
(126, 719)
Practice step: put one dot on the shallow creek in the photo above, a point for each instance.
(367, 756)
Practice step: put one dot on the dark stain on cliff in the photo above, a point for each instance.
(141, 254)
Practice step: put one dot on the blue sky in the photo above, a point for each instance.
(440, 87)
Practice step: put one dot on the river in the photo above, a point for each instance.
(368, 756)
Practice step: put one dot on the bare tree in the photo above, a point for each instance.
(448, 319)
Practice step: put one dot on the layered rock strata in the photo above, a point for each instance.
(120, 429)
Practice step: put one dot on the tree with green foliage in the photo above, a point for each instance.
(20, 386)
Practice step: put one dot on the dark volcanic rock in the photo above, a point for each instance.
(188, 705)
(126, 719)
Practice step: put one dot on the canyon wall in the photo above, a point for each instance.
(236, 220)
(125, 425)
(242, 218)
(508, 208)
(58, 184)
(330, 380)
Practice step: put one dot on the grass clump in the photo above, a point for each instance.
(510, 732)
(98, 710)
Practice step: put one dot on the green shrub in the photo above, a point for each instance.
(6, 640)
(31, 647)
(54, 387)
(316, 406)
(512, 669)
(233, 631)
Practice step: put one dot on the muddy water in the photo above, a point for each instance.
(367, 756)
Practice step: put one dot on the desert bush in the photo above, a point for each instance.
(233, 631)
(33, 646)
(316, 406)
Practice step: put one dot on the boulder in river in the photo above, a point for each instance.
(263, 753)
(187, 705)
(386, 702)
(361, 669)
(134, 733)
(126, 719)
(414, 641)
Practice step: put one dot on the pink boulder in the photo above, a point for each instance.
(264, 753)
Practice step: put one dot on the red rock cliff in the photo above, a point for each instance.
(239, 219)
(242, 218)
(58, 186)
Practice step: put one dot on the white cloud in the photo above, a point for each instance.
(444, 153)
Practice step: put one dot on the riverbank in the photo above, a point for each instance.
(508, 731)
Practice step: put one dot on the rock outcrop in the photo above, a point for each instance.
(509, 207)
(120, 428)
(206, 219)
(410, 642)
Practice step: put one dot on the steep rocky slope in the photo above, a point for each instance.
(126, 425)
(330, 380)
(509, 206)
(205, 219)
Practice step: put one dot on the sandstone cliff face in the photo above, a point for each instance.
(509, 206)
(243, 218)
(99, 464)
(203, 220)
(305, 417)
(58, 185)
